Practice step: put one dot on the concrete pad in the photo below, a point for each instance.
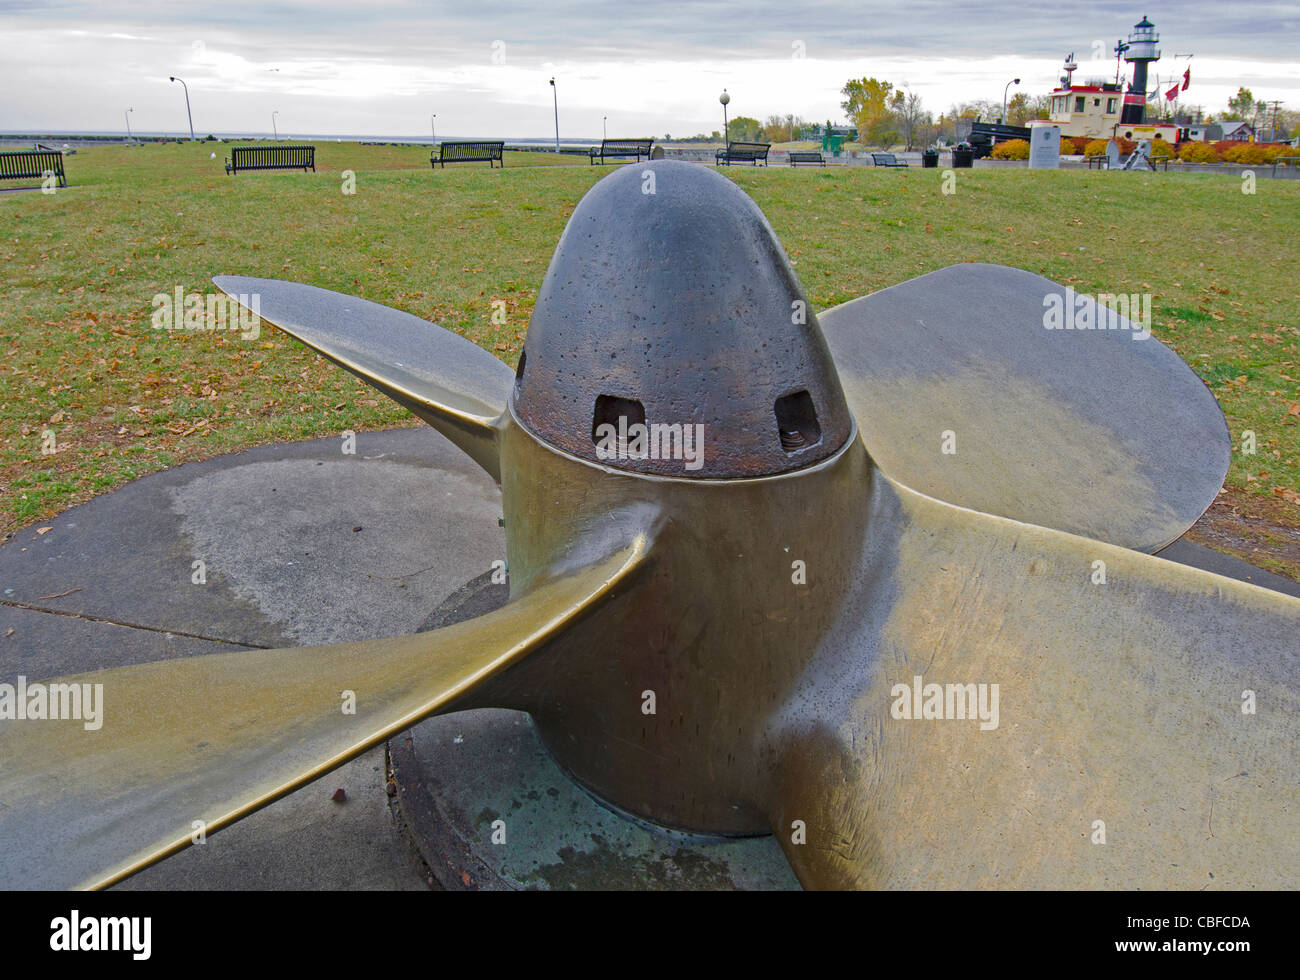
(1198, 556)
(284, 566)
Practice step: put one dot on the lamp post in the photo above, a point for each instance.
(275, 132)
(604, 130)
(1014, 81)
(127, 116)
(556, 98)
(187, 103)
(724, 98)
(433, 126)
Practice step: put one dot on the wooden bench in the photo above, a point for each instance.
(742, 153)
(620, 148)
(32, 165)
(271, 158)
(886, 160)
(806, 156)
(469, 151)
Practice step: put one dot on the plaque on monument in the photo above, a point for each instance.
(1044, 147)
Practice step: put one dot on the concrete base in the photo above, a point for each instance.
(489, 809)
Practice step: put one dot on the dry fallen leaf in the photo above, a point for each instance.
(42, 530)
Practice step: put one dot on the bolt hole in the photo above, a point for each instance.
(796, 421)
(611, 408)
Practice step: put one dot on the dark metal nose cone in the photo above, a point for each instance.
(669, 304)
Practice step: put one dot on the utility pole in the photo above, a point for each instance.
(1272, 134)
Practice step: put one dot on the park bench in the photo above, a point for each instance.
(32, 164)
(620, 148)
(806, 156)
(1283, 161)
(467, 151)
(271, 158)
(743, 152)
(1098, 161)
(886, 160)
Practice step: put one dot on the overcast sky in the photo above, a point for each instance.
(381, 68)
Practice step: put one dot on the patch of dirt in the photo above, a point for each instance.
(1260, 530)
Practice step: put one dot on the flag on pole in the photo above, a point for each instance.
(1172, 94)
(1187, 78)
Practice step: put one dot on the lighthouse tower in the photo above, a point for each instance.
(1140, 51)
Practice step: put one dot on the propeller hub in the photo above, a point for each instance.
(671, 336)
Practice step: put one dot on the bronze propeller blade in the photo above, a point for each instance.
(454, 385)
(192, 745)
(1102, 430)
(1001, 717)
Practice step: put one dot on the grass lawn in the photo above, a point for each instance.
(82, 266)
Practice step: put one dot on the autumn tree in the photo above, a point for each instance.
(1240, 105)
(867, 104)
(912, 121)
(743, 129)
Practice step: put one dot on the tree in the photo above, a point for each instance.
(1018, 109)
(867, 104)
(1240, 106)
(743, 129)
(777, 129)
(910, 117)
(1023, 107)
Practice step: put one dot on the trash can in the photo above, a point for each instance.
(962, 155)
(930, 158)
(837, 142)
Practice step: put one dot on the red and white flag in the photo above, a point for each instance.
(1187, 78)
(1172, 94)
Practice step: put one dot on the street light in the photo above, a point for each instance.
(604, 131)
(555, 96)
(126, 115)
(187, 103)
(724, 98)
(433, 128)
(275, 132)
(1014, 81)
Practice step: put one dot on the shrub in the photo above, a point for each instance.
(1194, 151)
(1223, 146)
(1011, 150)
(1251, 154)
(1095, 148)
(1274, 150)
(1081, 143)
(1161, 148)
